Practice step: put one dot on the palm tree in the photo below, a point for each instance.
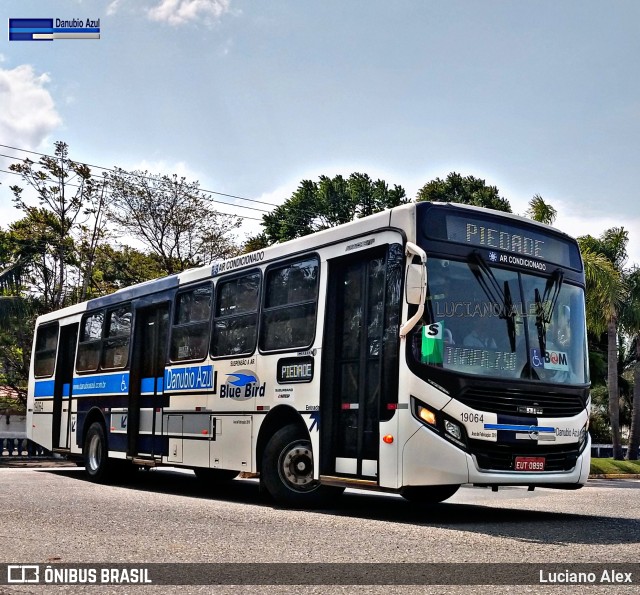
(541, 211)
(630, 318)
(609, 294)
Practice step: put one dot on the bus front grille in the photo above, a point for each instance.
(519, 402)
(501, 457)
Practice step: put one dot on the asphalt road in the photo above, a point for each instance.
(166, 516)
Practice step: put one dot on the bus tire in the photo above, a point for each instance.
(428, 494)
(214, 476)
(96, 460)
(287, 471)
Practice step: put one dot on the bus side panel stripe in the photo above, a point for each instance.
(43, 388)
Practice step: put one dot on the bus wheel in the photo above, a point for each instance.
(428, 494)
(96, 461)
(215, 476)
(287, 470)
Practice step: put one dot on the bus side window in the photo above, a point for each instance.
(45, 354)
(190, 331)
(236, 316)
(90, 342)
(290, 304)
(115, 353)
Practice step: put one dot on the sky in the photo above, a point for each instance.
(250, 97)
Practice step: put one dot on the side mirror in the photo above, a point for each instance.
(416, 284)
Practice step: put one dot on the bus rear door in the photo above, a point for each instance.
(144, 427)
(62, 386)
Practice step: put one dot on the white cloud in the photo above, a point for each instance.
(180, 12)
(113, 7)
(28, 112)
(577, 225)
(27, 117)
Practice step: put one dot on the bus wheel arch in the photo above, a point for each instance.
(276, 419)
(94, 415)
(286, 462)
(95, 447)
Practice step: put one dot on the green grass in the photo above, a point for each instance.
(606, 466)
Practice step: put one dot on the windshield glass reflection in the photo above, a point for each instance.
(488, 321)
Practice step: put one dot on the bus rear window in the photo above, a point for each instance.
(45, 356)
(115, 352)
(89, 346)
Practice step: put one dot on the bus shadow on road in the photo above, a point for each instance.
(533, 526)
(497, 520)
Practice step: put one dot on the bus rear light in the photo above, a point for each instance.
(388, 439)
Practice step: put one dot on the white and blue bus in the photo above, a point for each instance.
(411, 351)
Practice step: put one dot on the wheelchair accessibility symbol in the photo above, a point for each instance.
(123, 384)
(537, 361)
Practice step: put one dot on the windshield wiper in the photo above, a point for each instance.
(545, 306)
(500, 296)
(510, 315)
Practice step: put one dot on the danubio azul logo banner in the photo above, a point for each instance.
(50, 29)
(188, 378)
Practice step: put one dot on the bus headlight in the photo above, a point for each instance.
(453, 429)
(440, 423)
(426, 415)
(583, 436)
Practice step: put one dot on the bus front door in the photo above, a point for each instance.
(144, 428)
(360, 353)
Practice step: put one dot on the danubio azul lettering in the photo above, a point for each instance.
(72, 24)
(192, 378)
(77, 24)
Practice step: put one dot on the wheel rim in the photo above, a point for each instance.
(95, 452)
(295, 467)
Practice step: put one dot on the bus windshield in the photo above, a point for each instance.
(487, 321)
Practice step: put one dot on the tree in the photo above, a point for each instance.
(254, 243)
(465, 190)
(18, 310)
(63, 188)
(541, 211)
(630, 318)
(39, 271)
(609, 291)
(91, 235)
(116, 268)
(171, 217)
(315, 206)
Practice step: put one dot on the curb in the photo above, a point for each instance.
(616, 476)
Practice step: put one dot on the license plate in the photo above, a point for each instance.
(529, 464)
